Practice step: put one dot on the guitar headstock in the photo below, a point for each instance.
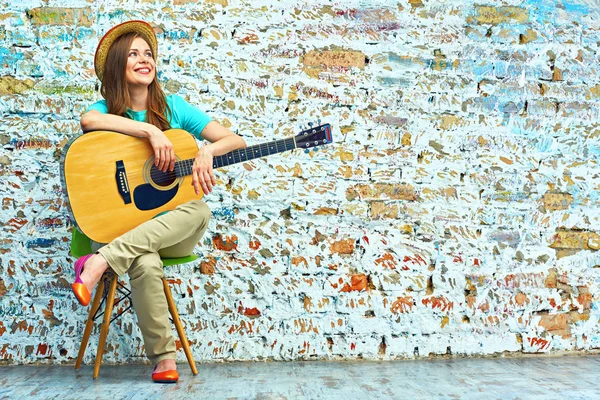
(314, 136)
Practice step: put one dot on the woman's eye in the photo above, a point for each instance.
(132, 53)
(148, 54)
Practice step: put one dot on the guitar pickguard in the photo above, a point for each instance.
(147, 197)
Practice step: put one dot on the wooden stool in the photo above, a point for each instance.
(105, 293)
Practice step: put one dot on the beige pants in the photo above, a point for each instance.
(138, 253)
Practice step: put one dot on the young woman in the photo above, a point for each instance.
(134, 104)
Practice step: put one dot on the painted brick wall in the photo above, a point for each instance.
(456, 212)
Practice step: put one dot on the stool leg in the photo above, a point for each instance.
(110, 301)
(179, 327)
(90, 323)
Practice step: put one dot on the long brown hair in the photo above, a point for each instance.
(115, 89)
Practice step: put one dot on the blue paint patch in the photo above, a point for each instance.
(387, 81)
(44, 243)
(115, 13)
(176, 35)
(9, 57)
(227, 213)
(29, 68)
(489, 102)
(543, 144)
(483, 69)
(546, 11)
(410, 62)
(84, 34)
(575, 8)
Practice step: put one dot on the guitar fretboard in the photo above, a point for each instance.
(184, 167)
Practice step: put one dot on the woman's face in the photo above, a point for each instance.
(140, 70)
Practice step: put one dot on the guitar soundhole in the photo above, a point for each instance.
(161, 178)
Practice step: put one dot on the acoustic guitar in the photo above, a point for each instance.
(112, 185)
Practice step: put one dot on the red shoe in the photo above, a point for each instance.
(83, 295)
(171, 376)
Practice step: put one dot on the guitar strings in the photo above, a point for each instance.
(158, 176)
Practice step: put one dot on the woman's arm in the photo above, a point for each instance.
(164, 153)
(222, 141)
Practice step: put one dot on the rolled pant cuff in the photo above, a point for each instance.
(111, 262)
(166, 356)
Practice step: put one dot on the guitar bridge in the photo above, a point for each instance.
(122, 183)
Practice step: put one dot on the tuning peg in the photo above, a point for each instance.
(310, 124)
(319, 121)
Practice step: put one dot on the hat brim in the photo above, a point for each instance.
(140, 27)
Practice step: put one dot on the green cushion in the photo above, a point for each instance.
(80, 246)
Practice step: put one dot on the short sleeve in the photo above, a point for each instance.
(98, 106)
(191, 118)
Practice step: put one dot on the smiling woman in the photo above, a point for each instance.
(134, 104)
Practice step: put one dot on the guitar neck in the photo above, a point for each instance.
(184, 167)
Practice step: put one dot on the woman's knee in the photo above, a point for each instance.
(201, 210)
(146, 265)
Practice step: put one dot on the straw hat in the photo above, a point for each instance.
(140, 27)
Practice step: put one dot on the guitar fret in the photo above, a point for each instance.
(242, 155)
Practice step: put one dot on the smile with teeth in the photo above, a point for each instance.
(143, 70)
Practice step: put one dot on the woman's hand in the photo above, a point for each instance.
(202, 171)
(164, 154)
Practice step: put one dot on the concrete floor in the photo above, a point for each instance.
(575, 377)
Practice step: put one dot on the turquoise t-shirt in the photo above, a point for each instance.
(183, 115)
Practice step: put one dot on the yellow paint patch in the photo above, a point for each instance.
(529, 36)
(380, 209)
(344, 155)
(10, 85)
(451, 121)
(326, 211)
(499, 15)
(333, 58)
(253, 194)
(445, 321)
(406, 139)
(557, 201)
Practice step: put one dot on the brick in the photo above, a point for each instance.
(556, 324)
(557, 201)
(383, 210)
(10, 85)
(358, 282)
(499, 15)
(382, 191)
(334, 58)
(345, 246)
(402, 305)
(61, 16)
(575, 240)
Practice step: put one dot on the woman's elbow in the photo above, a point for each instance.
(87, 122)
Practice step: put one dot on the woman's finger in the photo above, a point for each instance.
(156, 157)
(164, 162)
(208, 182)
(195, 182)
(202, 182)
(172, 163)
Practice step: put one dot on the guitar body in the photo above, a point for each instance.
(112, 185)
